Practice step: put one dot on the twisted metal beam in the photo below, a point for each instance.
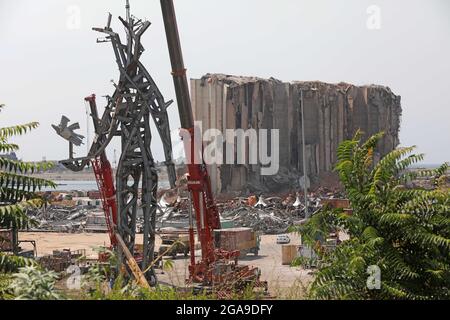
(127, 114)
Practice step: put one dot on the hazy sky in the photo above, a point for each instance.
(48, 63)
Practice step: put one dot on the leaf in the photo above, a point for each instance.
(168, 264)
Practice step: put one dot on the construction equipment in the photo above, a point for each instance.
(104, 177)
(245, 240)
(173, 243)
(217, 268)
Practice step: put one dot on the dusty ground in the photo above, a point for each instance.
(46, 242)
(284, 281)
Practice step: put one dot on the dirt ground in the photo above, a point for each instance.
(284, 281)
(46, 242)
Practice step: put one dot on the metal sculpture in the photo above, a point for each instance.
(135, 100)
(68, 132)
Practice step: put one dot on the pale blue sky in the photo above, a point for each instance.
(46, 68)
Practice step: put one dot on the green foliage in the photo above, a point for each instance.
(100, 273)
(18, 190)
(304, 262)
(168, 264)
(121, 290)
(406, 233)
(11, 263)
(15, 215)
(32, 283)
(131, 291)
(17, 130)
(97, 282)
(5, 282)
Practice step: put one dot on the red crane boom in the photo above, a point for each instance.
(104, 177)
(217, 267)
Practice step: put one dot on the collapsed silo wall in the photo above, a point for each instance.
(333, 113)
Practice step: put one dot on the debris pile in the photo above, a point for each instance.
(271, 215)
(65, 218)
(259, 220)
(265, 214)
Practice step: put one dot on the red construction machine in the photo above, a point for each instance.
(218, 269)
(104, 177)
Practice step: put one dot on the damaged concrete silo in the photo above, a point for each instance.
(333, 113)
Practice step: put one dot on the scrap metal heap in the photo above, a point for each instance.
(127, 114)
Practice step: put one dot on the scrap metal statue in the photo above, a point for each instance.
(135, 100)
(68, 132)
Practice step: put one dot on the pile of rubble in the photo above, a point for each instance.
(271, 215)
(68, 218)
(274, 215)
(267, 215)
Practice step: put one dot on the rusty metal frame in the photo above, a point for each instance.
(136, 99)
